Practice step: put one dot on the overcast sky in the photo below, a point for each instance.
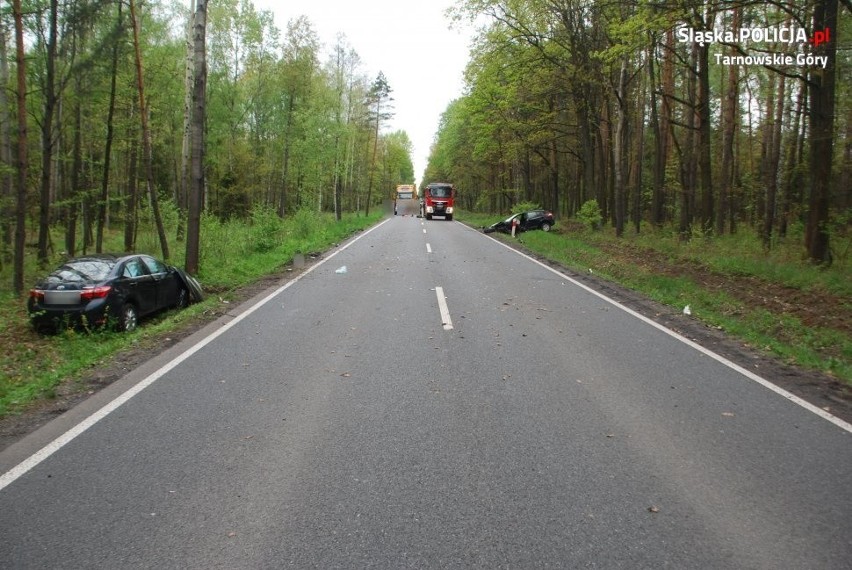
(410, 41)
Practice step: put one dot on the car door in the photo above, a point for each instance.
(140, 285)
(532, 220)
(165, 281)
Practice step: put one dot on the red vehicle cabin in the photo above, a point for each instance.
(439, 200)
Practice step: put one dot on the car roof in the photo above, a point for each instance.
(107, 257)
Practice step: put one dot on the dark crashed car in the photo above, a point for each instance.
(526, 221)
(106, 290)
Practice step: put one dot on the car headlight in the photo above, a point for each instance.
(429, 209)
(450, 210)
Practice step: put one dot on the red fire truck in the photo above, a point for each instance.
(438, 200)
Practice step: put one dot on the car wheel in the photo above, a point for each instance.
(450, 218)
(183, 298)
(129, 318)
(545, 227)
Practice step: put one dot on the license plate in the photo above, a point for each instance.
(61, 297)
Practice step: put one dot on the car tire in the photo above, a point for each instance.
(545, 227)
(183, 299)
(450, 218)
(128, 320)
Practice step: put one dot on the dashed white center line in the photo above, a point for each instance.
(428, 248)
(445, 311)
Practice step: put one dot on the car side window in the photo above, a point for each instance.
(154, 266)
(134, 268)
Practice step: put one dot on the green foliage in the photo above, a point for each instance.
(266, 229)
(590, 214)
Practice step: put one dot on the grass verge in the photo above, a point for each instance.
(774, 301)
(234, 254)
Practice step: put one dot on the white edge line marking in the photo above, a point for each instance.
(428, 248)
(26, 465)
(445, 311)
(721, 359)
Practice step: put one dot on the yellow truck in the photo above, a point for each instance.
(406, 191)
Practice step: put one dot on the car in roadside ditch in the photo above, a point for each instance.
(95, 291)
(526, 221)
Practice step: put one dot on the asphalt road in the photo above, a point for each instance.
(443, 403)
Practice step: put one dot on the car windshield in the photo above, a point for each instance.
(82, 270)
(440, 191)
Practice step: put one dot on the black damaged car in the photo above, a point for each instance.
(107, 290)
(526, 221)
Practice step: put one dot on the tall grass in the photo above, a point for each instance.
(233, 253)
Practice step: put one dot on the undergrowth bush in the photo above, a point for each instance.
(266, 229)
(590, 214)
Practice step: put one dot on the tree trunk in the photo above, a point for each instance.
(705, 161)
(773, 161)
(666, 138)
(688, 163)
(285, 175)
(619, 149)
(373, 161)
(50, 102)
(22, 161)
(729, 129)
(791, 193)
(7, 217)
(182, 198)
(821, 89)
(103, 203)
(636, 166)
(130, 216)
(76, 168)
(199, 110)
(146, 136)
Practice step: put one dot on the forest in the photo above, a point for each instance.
(121, 114)
(705, 118)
